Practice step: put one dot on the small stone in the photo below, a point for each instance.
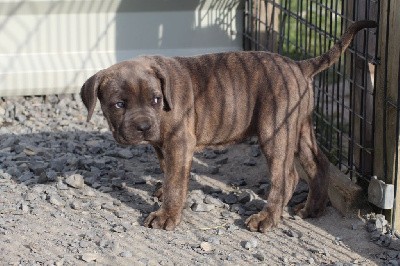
(56, 200)
(291, 233)
(371, 227)
(226, 214)
(201, 207)
(381, 223)
(62, 186)
(84, 244)
(394, 262)
(247, 196)
(126, 254)
(260, 256)
(25, 177)
(252, 243)
(222, 161)
(250, 162)
(255, 205)
(395, 244)
(230, 198)
(214, 170)
(264, 189)
(297, 199)
(209, 154)
(76, 205)
(385, 240)
(89, 257)
(237, 208)
(125, 154)
(75, 181)
(255, 151)
(213, 201)
(239, 183)
(30, 196)
(206, 246)
(220, 231)
(232, 227)
(24, 207)
(375, 235)
(213, 240)
(108, 207)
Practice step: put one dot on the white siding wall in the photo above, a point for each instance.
(53, 46)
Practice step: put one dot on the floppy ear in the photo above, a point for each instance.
(89, 92)
(162, 75)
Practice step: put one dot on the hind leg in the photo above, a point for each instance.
(316, 165)
(284, 179)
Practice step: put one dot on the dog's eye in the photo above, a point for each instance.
(156, 100)
(120, 105)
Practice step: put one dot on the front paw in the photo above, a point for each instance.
(261, 222)
(162, 220)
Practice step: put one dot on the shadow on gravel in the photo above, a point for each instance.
(235, 176)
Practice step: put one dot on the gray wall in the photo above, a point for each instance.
(52, 46)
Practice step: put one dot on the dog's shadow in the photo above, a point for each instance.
(129, 174)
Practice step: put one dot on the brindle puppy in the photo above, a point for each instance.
(182, 104)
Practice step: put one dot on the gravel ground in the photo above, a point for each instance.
(70, 195)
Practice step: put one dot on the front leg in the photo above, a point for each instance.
(177, 163)
(158, 192)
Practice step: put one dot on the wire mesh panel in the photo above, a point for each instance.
(344, 102)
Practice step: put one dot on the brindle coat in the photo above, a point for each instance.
(181, 104)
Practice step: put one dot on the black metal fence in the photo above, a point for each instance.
(357, 100)
(344, 94)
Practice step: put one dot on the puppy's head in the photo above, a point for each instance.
(132, 94)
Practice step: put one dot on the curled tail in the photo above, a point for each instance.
(313, 66)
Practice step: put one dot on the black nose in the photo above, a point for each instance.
(143, 126)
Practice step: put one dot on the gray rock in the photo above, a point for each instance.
(250, 162)
(209, 154)
(213, 201)
(56, 200)
(395, 244)
(291, 233)
(230, 198)
(381, 223)
(371, 227)
(75, 181)
(375, 235)
(206, 246)
(260, 256)
(62, 186)
(297, 199)
(238, 183)
(222, 161)
(255, 205)
(201, 207)
(89, 257)
(84, 244)
(31, 196)
(237, 208)
(214, 170)
(251, 244)
(125, 154)
(264, 189)
(247, 196)
(76, 205)
(255, 151)
(126, 254)
(25, 177)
